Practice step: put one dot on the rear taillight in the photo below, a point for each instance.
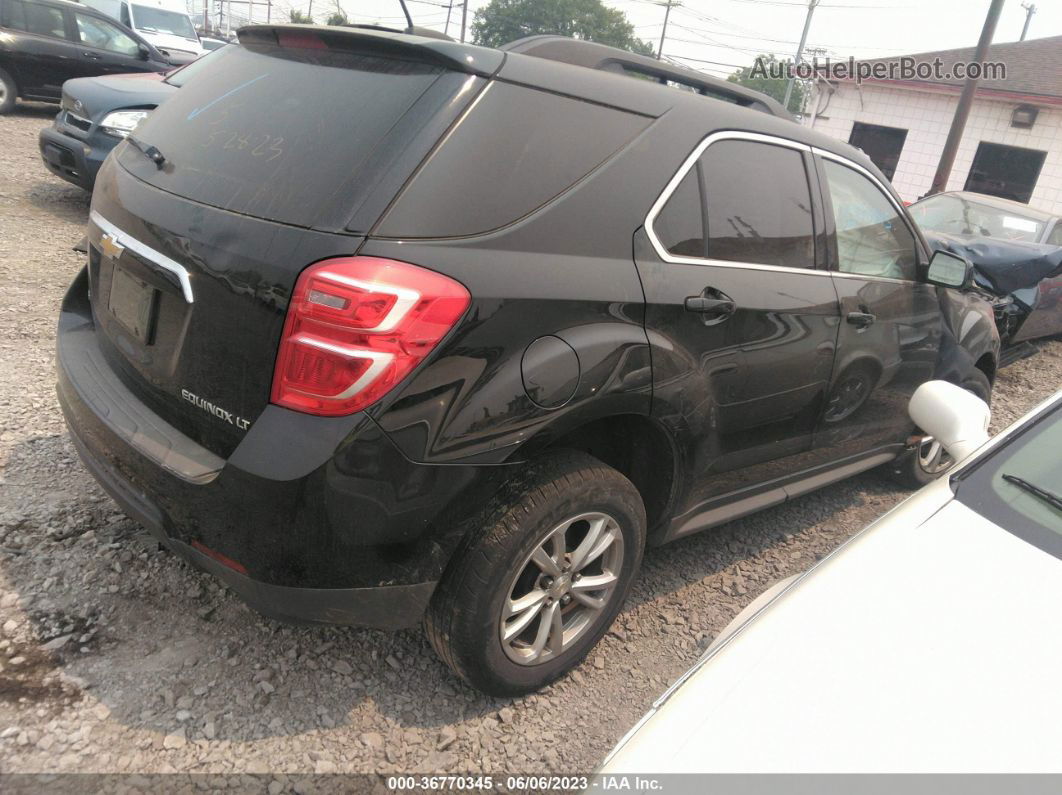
(356, 326)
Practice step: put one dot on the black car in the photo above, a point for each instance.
(44, 43)
(380, 328)
(96, 113)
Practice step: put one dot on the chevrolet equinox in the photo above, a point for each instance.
(382, 329)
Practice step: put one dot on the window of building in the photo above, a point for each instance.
(1009, 172)
(883, 145)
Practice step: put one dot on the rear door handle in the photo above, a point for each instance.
(709, 306)
(861, 319)
(93, 55)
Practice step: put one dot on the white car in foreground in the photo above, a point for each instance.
(930, 642)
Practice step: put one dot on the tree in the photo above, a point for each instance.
(299, 18)
(502, 21)
(337, 17)
(759, 78)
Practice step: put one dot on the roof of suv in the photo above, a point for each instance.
(591, 71)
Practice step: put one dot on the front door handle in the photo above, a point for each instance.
(861, 319)
(93, 55)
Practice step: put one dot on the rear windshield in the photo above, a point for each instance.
(277, 133)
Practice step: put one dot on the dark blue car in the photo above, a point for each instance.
(96, 113)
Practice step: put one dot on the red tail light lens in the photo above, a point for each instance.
(356, 326)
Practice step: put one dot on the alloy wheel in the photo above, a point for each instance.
(561, 588)
(932, 457)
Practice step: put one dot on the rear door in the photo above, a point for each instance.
(742, 318)
(45, 55)
(892, 323)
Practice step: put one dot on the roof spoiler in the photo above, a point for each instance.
(611, 59)
(446, 53)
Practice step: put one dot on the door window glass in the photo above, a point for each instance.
(757, 207)
(33, 18)
(759, 204)
(872, 238)
(104, 36)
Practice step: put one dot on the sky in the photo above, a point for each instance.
(718, 36)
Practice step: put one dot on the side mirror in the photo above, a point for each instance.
(949, 270)
(143, 52)
(954, 417)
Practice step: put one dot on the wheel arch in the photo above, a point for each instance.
(633, 444)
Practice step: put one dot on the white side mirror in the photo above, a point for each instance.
(954, 417)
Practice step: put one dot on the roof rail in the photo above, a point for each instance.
(611, 59)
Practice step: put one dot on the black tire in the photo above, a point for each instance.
(8, 93)
(465, 620)
(915, 469)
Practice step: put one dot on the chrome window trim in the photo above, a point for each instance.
(738, 135)
(673, 183)
(145, 251)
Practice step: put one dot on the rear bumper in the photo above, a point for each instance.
(385, 607)
(71, 159)
(358, 538)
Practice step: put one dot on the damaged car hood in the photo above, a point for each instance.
(1007, 265)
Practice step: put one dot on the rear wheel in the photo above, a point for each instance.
(8, 92)
(929, 460)
(541, 576)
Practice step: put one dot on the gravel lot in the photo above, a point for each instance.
(116, 657)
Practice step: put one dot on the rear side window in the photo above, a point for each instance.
(517, 149)
(680, 225)
(34, 18)
(754, 207)
(280, 132)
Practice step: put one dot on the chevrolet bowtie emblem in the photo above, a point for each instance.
(111, 247)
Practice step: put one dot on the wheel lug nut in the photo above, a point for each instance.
(547, 582)
(576, 577)
(566, 600)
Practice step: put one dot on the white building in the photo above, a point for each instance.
(1012, 145)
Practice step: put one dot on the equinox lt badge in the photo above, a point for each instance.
(217, 411)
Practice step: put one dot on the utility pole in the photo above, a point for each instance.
(962, 110)
(799, 52)
(449, 9)
(663, 33)
(1030, 9)
(464, 19)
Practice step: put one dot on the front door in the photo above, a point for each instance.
(106, 48)
(891, 320)
(741, 319)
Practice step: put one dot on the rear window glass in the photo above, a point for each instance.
(278, 133)
(519, 148)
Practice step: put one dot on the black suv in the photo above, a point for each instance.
(379, 328)
(43, 43)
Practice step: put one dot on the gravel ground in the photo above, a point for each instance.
(117, 657)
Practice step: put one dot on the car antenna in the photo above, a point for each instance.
(409, 19)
